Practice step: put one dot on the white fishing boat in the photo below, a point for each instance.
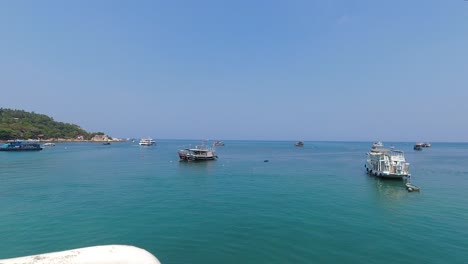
(147, 142)
(199, 153)
(377, 145)
(387, 163)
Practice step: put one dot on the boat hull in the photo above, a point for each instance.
(20, 146)
(192, 157)
(384, 174)
(21, 149)
(186, 157)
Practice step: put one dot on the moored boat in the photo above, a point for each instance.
(377, 145)
(19, 145)
(418, 146)
(412, 188)
(199, 153)
(49, 144)
(147, 142)
(299, 144)
(218, 143)
(387, 163)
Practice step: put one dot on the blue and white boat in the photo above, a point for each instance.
(19, 145)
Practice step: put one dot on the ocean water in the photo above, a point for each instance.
(313, 204)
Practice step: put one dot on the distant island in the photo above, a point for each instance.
(19, 124)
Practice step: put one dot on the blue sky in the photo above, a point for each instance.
(274, 70)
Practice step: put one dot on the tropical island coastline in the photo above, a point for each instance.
(23, 125)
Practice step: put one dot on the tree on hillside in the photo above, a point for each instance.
(15, 124)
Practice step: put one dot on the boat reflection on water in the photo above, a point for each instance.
(390, 190)
(196, 167)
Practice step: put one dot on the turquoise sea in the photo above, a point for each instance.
(313, 204)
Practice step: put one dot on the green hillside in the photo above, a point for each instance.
(19, 124)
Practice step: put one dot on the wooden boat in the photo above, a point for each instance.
(199, 153)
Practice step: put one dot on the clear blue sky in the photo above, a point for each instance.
(286, 70)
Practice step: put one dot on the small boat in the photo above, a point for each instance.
(412, 188)
(106, 143)
(199, 153)
(418, 146)
(387, 163)
(299, 144)
(147, 142)
(377, 145)
(218, 143)
(426, 145)
(19, 145)
(49, 144)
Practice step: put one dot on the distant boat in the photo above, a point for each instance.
(218, 143)
(418, 146)
(377, 144)
(106, 143)
(49, 144)
(299, 144)
(426, 145)
(19, 145)
(147, 142)
(199, 153)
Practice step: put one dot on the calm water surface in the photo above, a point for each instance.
(313, 204)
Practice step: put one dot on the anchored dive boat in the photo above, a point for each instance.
(19, 145)
(198, 153)
(387, 163)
